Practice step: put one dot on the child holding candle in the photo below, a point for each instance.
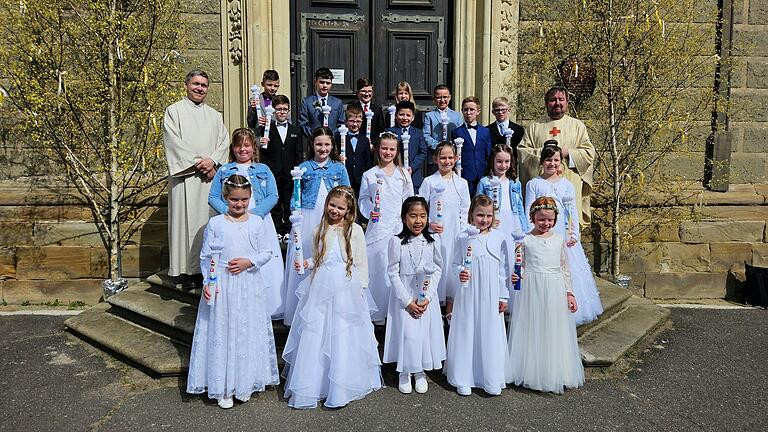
(551, 183)
(512, 219)
(417, 147)
(414, 338)
(358, 155)
(477, 143)
(403, 92)
(331, 352)
(322, 172)
(244, 160)
(393, 185)
(270, 83)
(366, 105)
(439, 122)
(321, 106)
(543, 352)
(447, 190)
(478, 295)
(233, 348)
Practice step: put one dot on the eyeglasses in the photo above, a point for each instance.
(500, 110)
(442, 97)
(282, 109)
(354, 121)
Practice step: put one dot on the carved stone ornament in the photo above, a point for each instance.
(578, 76)
(235, 14)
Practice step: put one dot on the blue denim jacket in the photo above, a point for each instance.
(515, 196)
(263, 187)
(333, 174)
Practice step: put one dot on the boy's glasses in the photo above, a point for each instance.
(442, 97)
(500, 110)
(282, 109)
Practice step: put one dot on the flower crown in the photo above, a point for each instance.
(536, 208)
(229, 182)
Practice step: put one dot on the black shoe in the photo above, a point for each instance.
(190, 282)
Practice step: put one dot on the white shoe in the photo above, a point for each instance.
(226, 403)
(421, 382)
(464, 391)
(405, 383)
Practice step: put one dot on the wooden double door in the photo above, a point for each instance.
(387, 41)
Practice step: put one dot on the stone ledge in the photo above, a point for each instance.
(85, 290)
(722, 231)
(685, 285)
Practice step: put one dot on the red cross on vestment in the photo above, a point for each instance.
(555, 131)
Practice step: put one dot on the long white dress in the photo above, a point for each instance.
(331, 352)
(394, 190)
(455, 202)
(292, 279)
(414, 344)
(233, 348)
(582, 280)
(543, 352)
(477, 341)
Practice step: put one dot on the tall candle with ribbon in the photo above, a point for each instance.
(269, 110)
(495, 187)
(508, 135)
(326, 110)
(343, 141)
(296, 174)
(391, 110)
(377, 197)
(423, 292)
(406, 137)
(518, 264)
(368, 124)
(256, 97)
(459, 144)
(213, 282)
(296, 219)
(472, 233)
(444, 121)
(438, 194)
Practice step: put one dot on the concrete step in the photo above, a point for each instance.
(152, 352)
(173, 318)
(165, 286)
(610, 339)
(612, 297)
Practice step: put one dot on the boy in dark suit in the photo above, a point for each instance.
(311, 113)
(365, 103)
(281, 151)
(477, 143)
(358, 149)
(270, 83)
(417, 146)
(500, 110)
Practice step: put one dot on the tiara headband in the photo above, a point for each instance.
(229, 182)
(348, 193)
(536, 208)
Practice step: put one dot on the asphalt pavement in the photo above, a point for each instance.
(706, 372)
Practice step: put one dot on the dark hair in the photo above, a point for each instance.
(440, 87)
(353, 110)
(549, 151)
(235, 181)
(512, 170)
(240, 135)
(409, 203)
(323, 72)
(195, 73)
(281, 100)
(323, 131)
(270, 75)
(555, 89)
(405, 105)
(363, 82)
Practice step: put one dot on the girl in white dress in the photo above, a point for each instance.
(543, 352)
(322, 171)
(414, 337)
(233, 348)
(331, 352)
(477, 339)
(382, 191)
(513, 221)
(551, 183)
(448, 197)
(244, 160)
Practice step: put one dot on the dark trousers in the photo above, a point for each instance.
(282, 210)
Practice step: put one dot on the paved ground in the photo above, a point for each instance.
(708, 372)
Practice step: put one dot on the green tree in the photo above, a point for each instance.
(653, 65)
(88, 81)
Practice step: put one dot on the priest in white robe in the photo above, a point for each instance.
(572, 137)
(196, 143)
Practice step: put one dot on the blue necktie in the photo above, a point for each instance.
(353, 143)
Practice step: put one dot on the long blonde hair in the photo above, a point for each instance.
(349, 219)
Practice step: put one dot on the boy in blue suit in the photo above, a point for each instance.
(417, 147)
(358, 149)
(477, 143)
(433, 126)
(311, 114)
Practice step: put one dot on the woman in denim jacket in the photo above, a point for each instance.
(322, 172)
(244, 160)
(512, 219)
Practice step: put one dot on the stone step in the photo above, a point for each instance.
(166, 286)
(612, 297)
(611, 338)
(150, 351)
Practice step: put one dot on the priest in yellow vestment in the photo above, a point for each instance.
(572, 137)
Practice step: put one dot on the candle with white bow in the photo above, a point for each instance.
(508, 135)
(406, 137)
(423, 292)
(377, 197)
(472, 232)
(444, 121)
(326, 110)
(391, 110)
(343, 141)
(495, 187)
(296, 219)
(368, 124)
(296, 174)
(459, 144)
(268, 112)
(213, 280)
(438, 191)
(256, 96)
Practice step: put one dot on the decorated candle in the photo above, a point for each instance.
(459, 144)
(368, 124)
(343, 141)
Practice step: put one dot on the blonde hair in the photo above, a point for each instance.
(480, 201)
(238, 137)
(349, 219)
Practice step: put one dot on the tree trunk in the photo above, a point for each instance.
(612, 97)
(113, 176)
